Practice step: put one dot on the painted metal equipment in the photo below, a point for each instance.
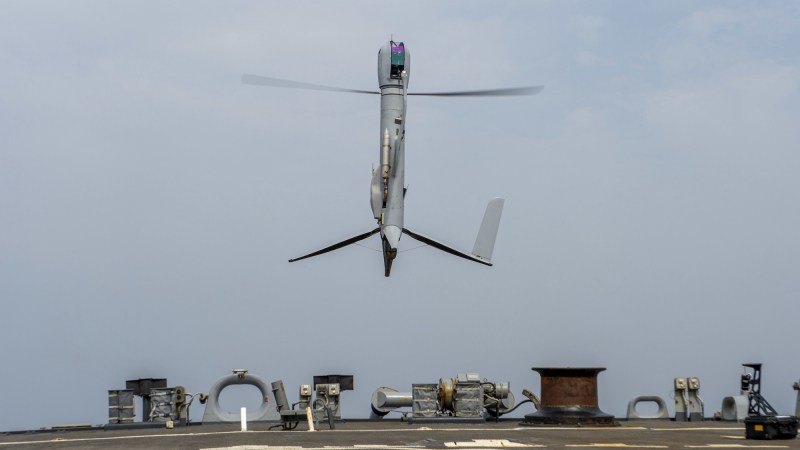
(214, 412)
(734, 408)
(688, 404)
(569, 396)
(169, 404)
(662, 412)
(121, 406)
(464, 397)
(695, 403)
(141, 387)
(681, 404)
(327, 404)
(751, 387)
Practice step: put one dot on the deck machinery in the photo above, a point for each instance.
(464, 397)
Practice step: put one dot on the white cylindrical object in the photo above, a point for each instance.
(797, 406)
(310, 419)
(796, 387)
(244, 419)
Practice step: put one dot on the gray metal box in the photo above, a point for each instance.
(163, 405)
(468, 400)
(425, 402)
(121, 406)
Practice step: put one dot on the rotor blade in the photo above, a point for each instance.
(444, 248)
(249, 78)
(506, 92)
(338, 245)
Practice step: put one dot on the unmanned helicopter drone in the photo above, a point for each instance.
(387, 189)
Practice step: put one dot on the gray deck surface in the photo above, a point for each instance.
(400, 435)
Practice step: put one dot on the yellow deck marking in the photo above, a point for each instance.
(384, 446)
(254, 447)
(582, 428)
(617, 445)
(489, 443)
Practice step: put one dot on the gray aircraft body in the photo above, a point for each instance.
(387, 189)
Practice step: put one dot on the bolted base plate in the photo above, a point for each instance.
(569, 416)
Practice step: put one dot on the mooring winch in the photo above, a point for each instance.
(465, 396)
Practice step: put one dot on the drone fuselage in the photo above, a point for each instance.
(387, 188)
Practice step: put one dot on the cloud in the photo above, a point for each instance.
(706, 23)
(587, 28)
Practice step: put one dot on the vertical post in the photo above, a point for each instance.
(244, 419)
(310, 420)
(681, 404)
(696, 407)
(796, 387)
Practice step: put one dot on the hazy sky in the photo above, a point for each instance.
(149, 200)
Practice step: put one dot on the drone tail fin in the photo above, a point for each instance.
(487, 235)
